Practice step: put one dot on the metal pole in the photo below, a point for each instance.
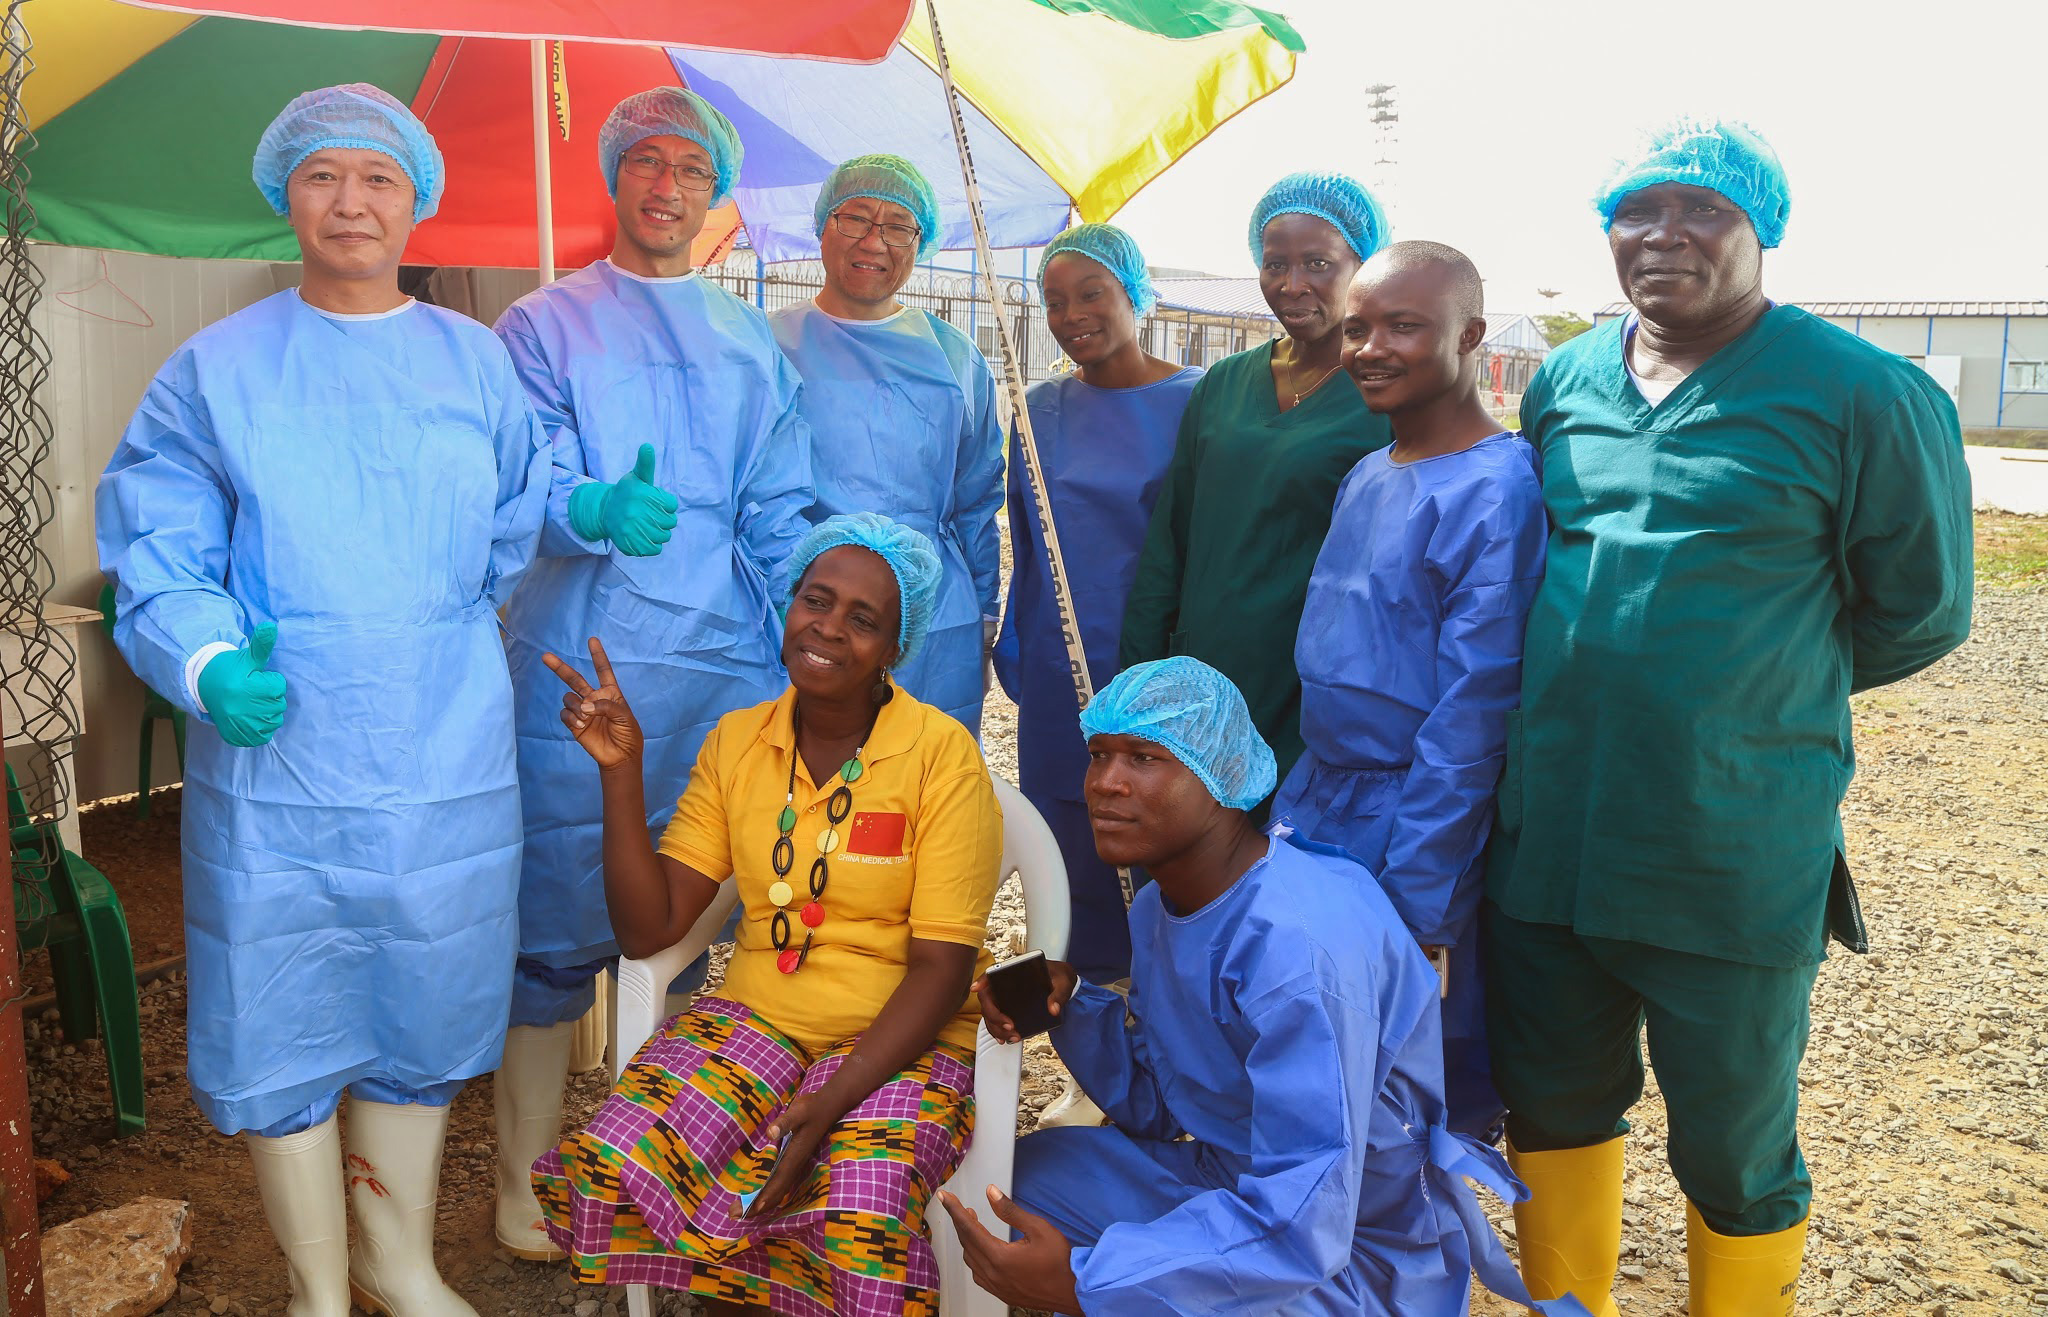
(1013, 378)
(2004, 364)
(543, 184)
(21, 1250)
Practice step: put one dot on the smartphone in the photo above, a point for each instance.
(1021, 988)
(746, 1200)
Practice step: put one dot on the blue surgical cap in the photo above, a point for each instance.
(670, 112)
(1340, 200)
(1193, 710)
(1112, 249)
(357, 115)
(1723, 154)
(885, 178)
(909, 554)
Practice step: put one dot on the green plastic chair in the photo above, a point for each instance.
(65, 904)
(154, 707)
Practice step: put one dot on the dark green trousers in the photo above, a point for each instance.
(1565, 1019)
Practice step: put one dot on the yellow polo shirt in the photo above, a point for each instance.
(918, 857)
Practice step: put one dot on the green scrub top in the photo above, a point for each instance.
(1240, 518)
(1790, 525)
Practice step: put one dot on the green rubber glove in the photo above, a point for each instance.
(245, 702)
(635, 514)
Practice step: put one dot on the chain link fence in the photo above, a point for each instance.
(1189, 338)
(36, 659)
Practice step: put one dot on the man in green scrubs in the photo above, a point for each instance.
(1753, 515)
(1266, 438)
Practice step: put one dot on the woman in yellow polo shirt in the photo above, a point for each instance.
(776, 1145)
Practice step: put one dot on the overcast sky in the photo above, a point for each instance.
(1915, 136)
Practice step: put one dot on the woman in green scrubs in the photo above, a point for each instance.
(1267, 437)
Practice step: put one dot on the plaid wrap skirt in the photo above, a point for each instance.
(652, 1190)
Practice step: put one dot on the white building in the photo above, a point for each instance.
(1992, 357)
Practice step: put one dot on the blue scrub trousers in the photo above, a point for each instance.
(1475, 1105)
(1085, 1180)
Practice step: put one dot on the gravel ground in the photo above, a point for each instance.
(1923, 1087)
(1923, 1092)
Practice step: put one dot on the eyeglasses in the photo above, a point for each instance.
(694, 177)
(857, 227)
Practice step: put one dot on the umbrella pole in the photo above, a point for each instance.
(543, 184)
(1013, 378)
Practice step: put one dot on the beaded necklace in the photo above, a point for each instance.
(787, 958)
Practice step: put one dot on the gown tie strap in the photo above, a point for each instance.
(1453, 1158)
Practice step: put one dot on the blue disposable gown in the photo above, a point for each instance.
(904, 420)
(613, 361)
(1410, 655)
(1289, 1028)
(1104, 453)
(372, 487)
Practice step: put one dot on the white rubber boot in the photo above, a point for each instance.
(394, 1177)
(299, 1179)
(1071, 1107)
(527, 1095)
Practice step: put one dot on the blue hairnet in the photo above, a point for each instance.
(1112, 249)
(909, 554)
(1194, 711)
(1723, 154)
(355, 114)
(1337, 198)
(670, 112)
(885, 178)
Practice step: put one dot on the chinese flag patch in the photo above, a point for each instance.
(875, 834)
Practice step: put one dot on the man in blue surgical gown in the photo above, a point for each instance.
(1410, 648)
(1279, 1142)
(681, 475)
(903, 411)
(310, 523)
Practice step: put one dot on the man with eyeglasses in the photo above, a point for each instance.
(903, 408)
(682, 471)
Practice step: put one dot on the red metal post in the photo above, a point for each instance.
(20, 1236)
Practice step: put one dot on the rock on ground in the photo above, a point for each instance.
(122, 1262)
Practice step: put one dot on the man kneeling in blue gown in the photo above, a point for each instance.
(1280, 1143)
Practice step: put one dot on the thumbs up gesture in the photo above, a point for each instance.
(635, 514)
(244, 699)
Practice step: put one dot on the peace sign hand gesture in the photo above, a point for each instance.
(598, 717)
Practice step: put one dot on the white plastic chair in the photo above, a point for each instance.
(640, 1005)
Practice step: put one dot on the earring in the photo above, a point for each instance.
(883, 692)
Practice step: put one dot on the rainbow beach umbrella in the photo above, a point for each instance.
(146, 117)
(1070, 106)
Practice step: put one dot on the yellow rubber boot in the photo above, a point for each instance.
(1569, 1230)
(1742, 1275)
